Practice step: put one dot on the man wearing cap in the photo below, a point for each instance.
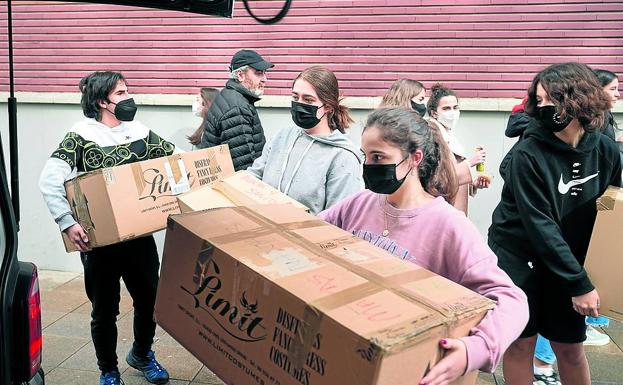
(232, 118)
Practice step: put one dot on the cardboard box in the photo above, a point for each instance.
(271, 295)
(240, 189)
(120, 203)
(604, 263)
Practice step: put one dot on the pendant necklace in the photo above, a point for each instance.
(386, 229)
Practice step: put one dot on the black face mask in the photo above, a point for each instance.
(125, 110)
(551, 120)
(304, 115)
(381, 178)
(420, 108)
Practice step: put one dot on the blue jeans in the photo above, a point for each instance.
(543, 350)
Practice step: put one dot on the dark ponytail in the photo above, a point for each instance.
(340, 119)
(408, 131)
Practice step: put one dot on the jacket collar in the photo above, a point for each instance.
(234, 85)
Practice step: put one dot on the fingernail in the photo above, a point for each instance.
(443, 342)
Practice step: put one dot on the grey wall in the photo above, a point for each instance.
(41, 127)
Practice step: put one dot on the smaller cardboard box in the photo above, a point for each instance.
(604, 262)
(240, 189)
(124, 202)
(271, 295)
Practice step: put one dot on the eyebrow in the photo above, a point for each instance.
(375, 152)
(304, 95)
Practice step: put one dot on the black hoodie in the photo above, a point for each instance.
(548, 205)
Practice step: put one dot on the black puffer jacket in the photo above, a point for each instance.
(233, 120)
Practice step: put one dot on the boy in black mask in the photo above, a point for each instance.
(109, 136)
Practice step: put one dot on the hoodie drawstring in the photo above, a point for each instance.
(296, 167)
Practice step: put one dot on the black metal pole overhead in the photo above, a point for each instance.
(12, 105)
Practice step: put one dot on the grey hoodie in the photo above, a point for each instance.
(317, 171)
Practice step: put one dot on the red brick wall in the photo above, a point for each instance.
(482, 48)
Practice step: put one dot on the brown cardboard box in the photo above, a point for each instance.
(119, 203)
(604, 263)
(240, 189)
(271, 295)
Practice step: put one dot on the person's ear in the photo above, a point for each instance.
(242, 76)
(416, 158)
(327, 110)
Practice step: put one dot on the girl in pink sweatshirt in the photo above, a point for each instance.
(410, 178)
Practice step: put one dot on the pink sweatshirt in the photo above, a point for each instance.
(441, 239)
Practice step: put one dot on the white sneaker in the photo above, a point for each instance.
(595, 338)
(550, 378)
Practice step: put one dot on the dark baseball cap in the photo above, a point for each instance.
(247, 57)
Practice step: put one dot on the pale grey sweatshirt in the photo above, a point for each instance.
(317, 171)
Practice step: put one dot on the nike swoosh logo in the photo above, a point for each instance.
(564, 188)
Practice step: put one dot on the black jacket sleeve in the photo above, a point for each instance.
(616, 179)
(535, 211)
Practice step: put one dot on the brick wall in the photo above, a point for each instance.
(482, 48)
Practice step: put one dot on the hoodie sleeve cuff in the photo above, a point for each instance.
(581, 286)
(66, 221)
(477, 353)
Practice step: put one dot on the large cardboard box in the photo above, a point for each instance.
(120, 203)
(604, 261)
(240, 189)
(271, 295)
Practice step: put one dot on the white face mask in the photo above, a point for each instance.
(449, 118)
(197, 108)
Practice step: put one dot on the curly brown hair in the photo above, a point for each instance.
(574, 90)
(437, 92)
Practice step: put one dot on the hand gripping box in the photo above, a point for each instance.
(271, 295)
(240, 189)
(120, 203)
(604, 263)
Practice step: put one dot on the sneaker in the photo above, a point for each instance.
(150, 368)
(111, 378)
(546, 379)
(595, 338)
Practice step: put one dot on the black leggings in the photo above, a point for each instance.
(136, 261)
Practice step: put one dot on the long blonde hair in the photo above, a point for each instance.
(401, 93)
